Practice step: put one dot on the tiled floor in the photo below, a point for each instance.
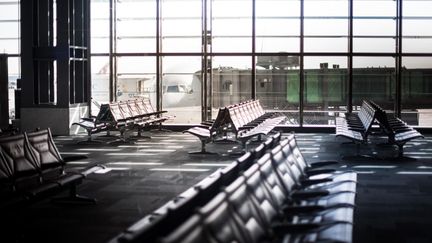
(394, 200)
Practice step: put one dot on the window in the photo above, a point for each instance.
(240, 51)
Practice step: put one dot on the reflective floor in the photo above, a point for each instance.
(394, 200)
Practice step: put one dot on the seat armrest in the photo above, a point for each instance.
(323, 163)
(74, 158)
(289, 210)
(313, 172)
(283, 228)
(309, 182)
(299, 195)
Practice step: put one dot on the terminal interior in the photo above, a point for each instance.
(148, 120)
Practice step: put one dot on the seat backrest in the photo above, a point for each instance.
(296, 169)
(133, 107)
(241, 116)
(218, 219)
(117, 112)
(259, 107)
(125, 110)
(247, 116)
(367, 117)
(44, 149)
(298, 156)
(283, 171)
(261, 194)
(141, 106)
(104, 114)
(272, 182)
(252, 109)
(382, 118)
(148, 105)
(17, 157)
(247, 109)
(220, 121)
(191, 231)
(234, 119)
(245, 210)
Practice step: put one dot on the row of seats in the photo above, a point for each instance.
(249, 120)
(246, 120)
(357, 126)
(31, 168)
(119, 116)
(398, 131)
(270, 194)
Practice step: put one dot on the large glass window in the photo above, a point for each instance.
(181, 88)
(278, 85)
(374, 78)
(231, 25)
(325, 89)
(417, 91)
(136, 77)
(416, 26)
(136, 26)
(10, 45)
(181, 30)
(232, 82)
(229, 54)
(99, 82)
(100, 27)
(325, 25)
(374, 25)
(277, 26)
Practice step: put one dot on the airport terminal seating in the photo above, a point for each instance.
(31, 168)
(357, 126)
(121, 116)
(398, 131)
(246, 120)
(263, 196)
(209, 131)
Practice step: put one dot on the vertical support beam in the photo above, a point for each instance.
(87, 43)
(159, 75)
(79, 53)
(204, 60)
(253, 74)
(350, 57)
(44, 27)
(63, 64)
(398, 101)
(302, 79)
(4, 92)
(112, 51)
(54, 63)
(27, 42)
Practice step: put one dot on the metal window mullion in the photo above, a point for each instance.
(301, 95)
(350, 57)
(204, 60)
(253, 75)
(112, 40)
(158, 55)
(398, 105)
(209, 15)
